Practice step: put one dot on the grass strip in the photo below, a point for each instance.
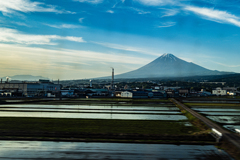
(203, 128)
(94, 126)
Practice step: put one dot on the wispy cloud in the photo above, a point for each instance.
(215, 15)
(14, 36)
(90, 1)
(169, 12)
(59, 58)
(157, 2)
(20, 24)
(226, 65)
(139, 11)
(81, 20)
(10, 6)
(167, 24)
(64, 26)
(120, 1)
(110, 11)
(126, 48)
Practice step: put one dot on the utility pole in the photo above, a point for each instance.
(112, 80)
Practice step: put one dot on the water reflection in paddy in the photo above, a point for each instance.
(217, 109)
(232, 127)
(88, 111)
(93, 115)
(225, 119)
(228, 114)
(149, 107)
(221, 113)
(93, 112)
(80, 150)
(225, 102)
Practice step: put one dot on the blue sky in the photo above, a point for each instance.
(75, 39)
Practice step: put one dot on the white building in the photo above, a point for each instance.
(127, 94)
(134, 94)
(219, 91)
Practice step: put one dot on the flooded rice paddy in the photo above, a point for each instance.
(214, 101)
(226, 109)
(94, 112)
(222, 115)
(9, 150)
(225, 119)
(224, 112)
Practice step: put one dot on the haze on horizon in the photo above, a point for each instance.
(75, 39)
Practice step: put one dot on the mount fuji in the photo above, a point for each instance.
(169, 65)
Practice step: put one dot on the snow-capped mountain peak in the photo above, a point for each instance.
(168, 65)
(168, 56)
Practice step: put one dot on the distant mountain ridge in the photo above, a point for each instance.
(24, 78)
(169, 65)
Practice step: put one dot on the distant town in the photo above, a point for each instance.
(115, 88)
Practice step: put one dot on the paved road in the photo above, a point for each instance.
(231, 137)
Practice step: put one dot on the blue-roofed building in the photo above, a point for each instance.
(134, 94)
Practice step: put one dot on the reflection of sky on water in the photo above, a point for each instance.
(85, 110)
(225, 102)
(221, 113)
(216, 109)
(98, 112)
(93, 115)
(148, 107)
(81, 150)
(232, 127)
(225, 119)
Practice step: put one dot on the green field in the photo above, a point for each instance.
(94, 126)
(102, 128)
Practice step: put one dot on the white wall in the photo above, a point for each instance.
(126, 94)
(219, 92)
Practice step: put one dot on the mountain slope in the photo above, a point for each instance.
(168, 65)
(24, 78)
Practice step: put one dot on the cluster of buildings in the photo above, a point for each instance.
(161, 92)
(230, 91)
(29, 89)
(45, 88)
(155, 92)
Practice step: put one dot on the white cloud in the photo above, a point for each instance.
(13, 36)
(21, 24)
(169, 12)
(157, 2)
(90, 1)
(110, 11)
(167, 24)
(61, 63)
(139, 11)
(10, 6)
(215, 15)
(64, 26)
(81, 20)
(226, 65)
(126, 48)
(70, 38)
